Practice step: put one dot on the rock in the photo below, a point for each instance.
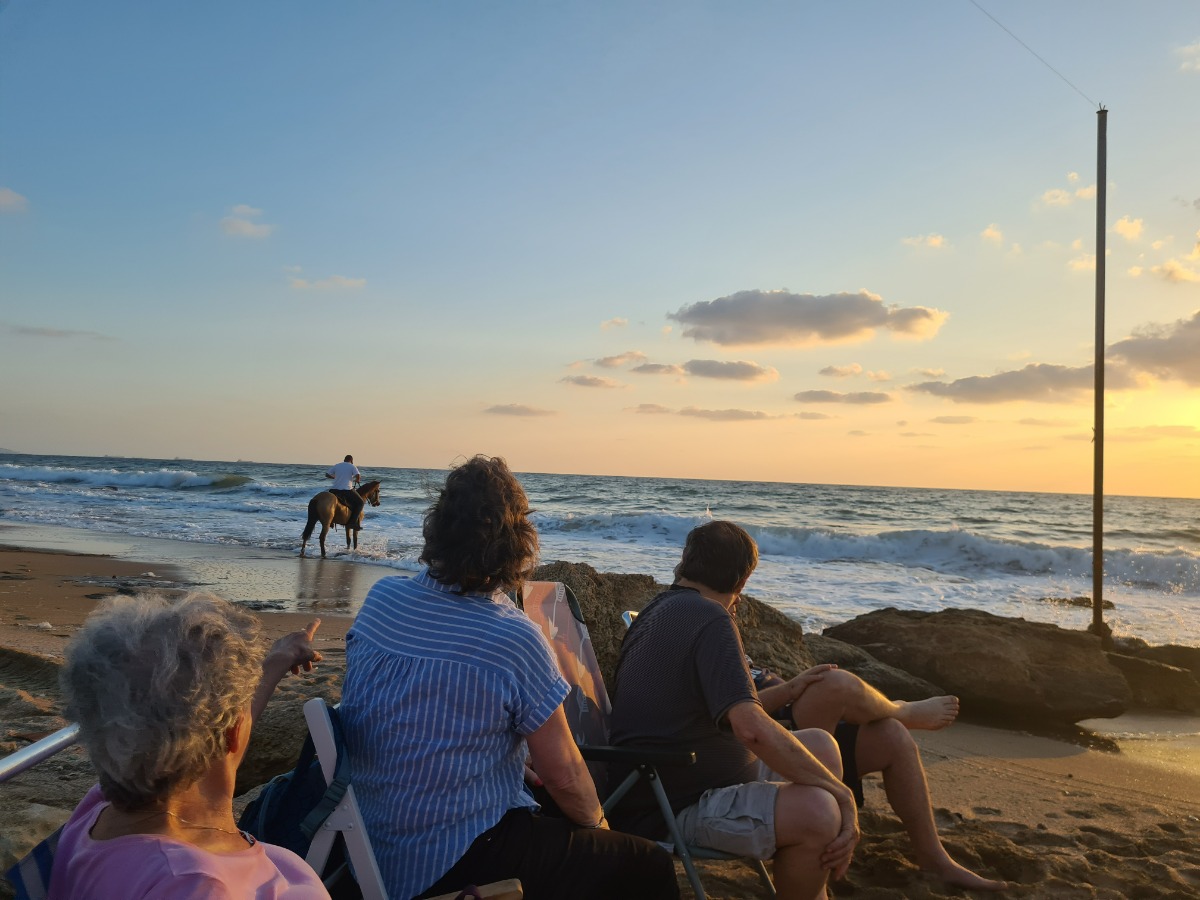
(274, 744)
(1158, 685)
(896, 684)
(771, 638)
(1171, 654)
(1003, 669)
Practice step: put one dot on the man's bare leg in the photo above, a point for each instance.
(806, 820)
(842, 696)
(886, 746)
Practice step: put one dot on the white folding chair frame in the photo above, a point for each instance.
(346, 819)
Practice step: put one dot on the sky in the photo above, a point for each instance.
(836, 242)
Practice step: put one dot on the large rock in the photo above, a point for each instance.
(1158, 685)
(1171, 654)
(275, 744)
(771, 638)
(896, 684)
(1002, 669)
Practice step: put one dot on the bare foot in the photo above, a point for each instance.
(952, 873)
(928, 715)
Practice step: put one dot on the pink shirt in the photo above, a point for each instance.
(152, 866)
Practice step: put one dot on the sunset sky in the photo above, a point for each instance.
(812, 242)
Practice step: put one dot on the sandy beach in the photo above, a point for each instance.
(1053, 818)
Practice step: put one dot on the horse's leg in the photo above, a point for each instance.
(324, 531)
(308, 529)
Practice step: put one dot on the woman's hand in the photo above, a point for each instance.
(295, 651)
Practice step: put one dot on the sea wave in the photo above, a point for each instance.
(177, 479)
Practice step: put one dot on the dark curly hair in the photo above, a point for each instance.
(477, 532)
(719, 555)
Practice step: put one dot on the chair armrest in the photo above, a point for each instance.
(638, 756)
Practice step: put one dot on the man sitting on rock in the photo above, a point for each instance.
(873, 735)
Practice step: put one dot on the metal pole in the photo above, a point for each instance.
(28, 757)
(1098, 626)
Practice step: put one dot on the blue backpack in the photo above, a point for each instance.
(293, 806)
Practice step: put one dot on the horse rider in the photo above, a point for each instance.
(345, 476)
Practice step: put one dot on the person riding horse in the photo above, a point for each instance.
(345, 476)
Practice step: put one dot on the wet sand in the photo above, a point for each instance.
(1053, 818)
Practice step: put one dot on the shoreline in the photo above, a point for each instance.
(1008, 802)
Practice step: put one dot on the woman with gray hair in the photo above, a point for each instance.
(165, 693)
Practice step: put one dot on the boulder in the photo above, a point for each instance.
(1172, 654)
(275, 744)
(1158, 685)
(895, 684)
(1003, 669)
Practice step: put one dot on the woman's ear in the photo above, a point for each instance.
(237, 735)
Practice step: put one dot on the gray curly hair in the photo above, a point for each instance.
(154, 684)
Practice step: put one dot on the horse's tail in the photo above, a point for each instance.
(312, 522)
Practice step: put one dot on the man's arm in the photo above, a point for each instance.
(328, 474)
(779, 749)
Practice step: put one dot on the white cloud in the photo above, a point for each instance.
(933, 241)
(1134, 271)
(1084, 263)
(1190, 61)
(1130, 229)
(1072, 177)
(1086, 193)
(931, 373)
(238, 223)
(591, 381)
(1077, 244)
(879, 376)
(518, 409)
(739, 370)
(616, 322)
(757, 317)
(842, 371)
(615, 362)
(1164, 351)
(725, 415)
(1056, 197)
(992, 233)
(332, 283)
(12, 202)
(1175, 272)
(651, 409)
(859, 398)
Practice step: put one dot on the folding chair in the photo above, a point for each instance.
(552, 606)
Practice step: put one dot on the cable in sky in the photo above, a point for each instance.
(1031, 50)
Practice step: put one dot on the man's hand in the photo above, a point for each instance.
(840, 851)
(801, 683)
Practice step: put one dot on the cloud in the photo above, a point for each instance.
(1169, 431)
(778, 317)
(41, 331)
(812, 416)
(954, 420)
(916, 434)
(842, 371)
(855, 397)
(12, 202)
(657, 369)
(238, 223)
(1084, 263)
(1042, 382)
(724, 415)
(1190, 61)
(651, 409)
(739, 370)
(1072, 177)
(1130, 229)
(1164, 351)
(1134, 271)
(518, 409)
(1175, 272)
(616, 322)
(332, 283)
(992, 233)
(933, 241)
(591, 381)
(614, 362)
(931, 373)
(1086, 193)
(1056, 197)
(1047, 423)
(879, 376)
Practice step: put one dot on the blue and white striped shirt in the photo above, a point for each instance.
(441, 689)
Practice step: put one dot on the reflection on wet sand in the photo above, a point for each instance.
(331, 583)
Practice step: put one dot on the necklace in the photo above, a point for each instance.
(182, 821)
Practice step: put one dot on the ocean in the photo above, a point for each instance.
(829, 552)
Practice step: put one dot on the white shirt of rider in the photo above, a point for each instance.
(343, 476)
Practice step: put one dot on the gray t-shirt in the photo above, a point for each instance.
(682, 668)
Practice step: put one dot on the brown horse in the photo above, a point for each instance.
(327, 509)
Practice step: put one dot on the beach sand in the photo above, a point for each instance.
(1053, 818)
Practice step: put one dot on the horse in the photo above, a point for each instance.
(327, 509)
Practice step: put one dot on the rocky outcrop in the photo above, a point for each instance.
(1158, 685)
(1002, 669)
(896, 684)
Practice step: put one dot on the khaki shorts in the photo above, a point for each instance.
(739, 819)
